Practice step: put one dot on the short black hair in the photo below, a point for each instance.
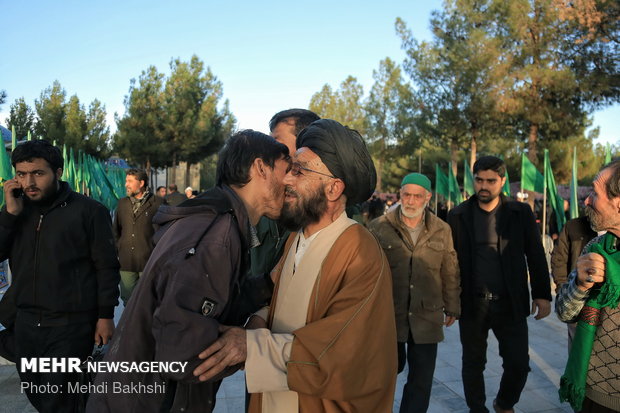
(612, 186)
(139, 174)
(173, 187)
(492, 163)
(41, 148)
(160, 187)
(240, 151)
(302, 118)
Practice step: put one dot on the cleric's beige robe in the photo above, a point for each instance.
(343, 357)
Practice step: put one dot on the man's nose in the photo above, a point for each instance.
(29, 180)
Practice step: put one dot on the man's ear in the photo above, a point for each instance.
(58, 173)
(260, 168)
(334, 190)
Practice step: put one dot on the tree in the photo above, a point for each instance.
(50, 108)
(74, 123)
(389, 110)
(139, 136)
(21, 117)
(97, 142)
(194, 124)
(345, 105)
(2, 96)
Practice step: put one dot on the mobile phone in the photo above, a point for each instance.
(18, 192)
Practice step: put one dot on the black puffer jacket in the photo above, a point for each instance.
(64, 260)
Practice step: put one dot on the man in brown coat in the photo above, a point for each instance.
(133, 229)
(425, 278)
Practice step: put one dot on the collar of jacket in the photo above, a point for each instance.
(240, 213)
(393, 217)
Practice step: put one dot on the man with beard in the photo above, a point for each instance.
(591, 380)
(133, 228)
(328, 342)
(425, 279)
(493, 237)
(190, 285)
(65, 270)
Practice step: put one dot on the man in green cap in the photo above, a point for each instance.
(426, 284)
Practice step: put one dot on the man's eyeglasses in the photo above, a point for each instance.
(296, 170)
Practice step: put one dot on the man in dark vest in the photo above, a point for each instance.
(133, 229)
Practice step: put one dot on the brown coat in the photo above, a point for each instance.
(425, 278)
(344, 359)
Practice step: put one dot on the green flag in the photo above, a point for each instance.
(556, 201)
(607, 154)
(506, 187)
(29, 136)
(6, 171)
(441, 182)
(468, 179)
(531, 179)
(574, 207)
(455, 193)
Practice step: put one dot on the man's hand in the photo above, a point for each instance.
(590, 270)
(14, 206)
(228, 350)
(449, 320)
(104, 330)
(543, 306)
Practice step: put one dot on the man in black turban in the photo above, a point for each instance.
(331, 318)
(332, 156)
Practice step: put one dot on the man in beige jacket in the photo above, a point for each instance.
(425, 278)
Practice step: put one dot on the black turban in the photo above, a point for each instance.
(344, 152)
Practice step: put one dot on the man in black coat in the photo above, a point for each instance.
(133, 228)
(65, 271)
(493, 237)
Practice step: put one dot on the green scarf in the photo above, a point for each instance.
(573, 382)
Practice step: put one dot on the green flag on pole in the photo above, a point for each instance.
(468, 179)
(531, 179)
(6, 171)
(557, 202)
(441, 182)
(455, 193)
(574, 207)
(607, 154)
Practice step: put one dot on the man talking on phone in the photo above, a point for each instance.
(65, 271)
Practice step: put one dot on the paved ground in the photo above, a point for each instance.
(547, 352)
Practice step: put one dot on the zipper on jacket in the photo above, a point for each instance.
(36, 265)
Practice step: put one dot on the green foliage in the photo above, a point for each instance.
(345, 105)
(68, 123)
(2, 96)
(176, 118)
(21, 117)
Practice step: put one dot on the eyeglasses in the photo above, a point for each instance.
(296, 170)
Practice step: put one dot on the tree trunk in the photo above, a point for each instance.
(454, 156)
(149, 173)
(474, 145)
(173, 170)
(379, 168)
(532, 143)
(187, 166)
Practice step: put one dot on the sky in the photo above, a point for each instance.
(270, 55)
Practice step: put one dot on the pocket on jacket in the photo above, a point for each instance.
(432, 311)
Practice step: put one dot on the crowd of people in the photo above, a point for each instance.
(271, 271)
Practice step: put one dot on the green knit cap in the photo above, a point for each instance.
(417, 179)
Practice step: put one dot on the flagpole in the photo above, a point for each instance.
(544, 220)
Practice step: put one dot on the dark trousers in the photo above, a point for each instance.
(72, 340)
(421, 361)
(513, 349)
